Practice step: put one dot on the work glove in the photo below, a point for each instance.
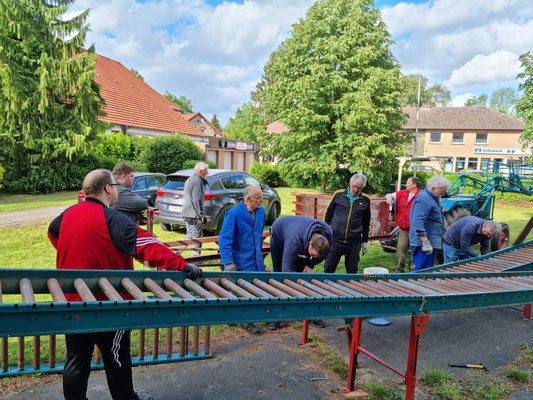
(230, 267)
(426, 247)
(193, 271)
(365, 249)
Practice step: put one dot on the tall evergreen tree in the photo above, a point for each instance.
(336, 85)
(215, 122)
(49, 102)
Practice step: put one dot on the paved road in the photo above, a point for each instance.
(26, 217)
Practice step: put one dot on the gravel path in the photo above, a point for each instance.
(26, 217)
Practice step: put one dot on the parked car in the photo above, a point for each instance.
(421, 167)
(145, 184)
(223, 190)
(478, 172)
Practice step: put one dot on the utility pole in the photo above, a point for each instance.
(416, 123)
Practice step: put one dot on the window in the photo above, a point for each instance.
(233, 182)
(458, 138)
(448, 165)
(485, 163)
(482, 138)
(435, 137)
(251, 181)
(497, 165)
(459, 164)
(154, 182)
(472, 163)
(139, 185)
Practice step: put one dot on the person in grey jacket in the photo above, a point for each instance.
(193, 204)
(427, 223)
(128, 202)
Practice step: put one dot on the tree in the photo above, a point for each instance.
(248, 124)
(503, 100)
(436, 95)
(215, 123)
(336, 85)
(49, 102)
(136, 73)
(182, 102)
(524, 105)
(476, 101)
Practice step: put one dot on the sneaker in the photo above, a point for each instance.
(318, 323)
(272, 326)
(250, 328)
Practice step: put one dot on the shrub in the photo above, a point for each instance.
(267, 173)
(517, 375)
(2, 170)
(138, 143)
(116, 145)
(167, 154)
(191, 163)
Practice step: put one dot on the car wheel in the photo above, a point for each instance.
(501, 242)
(165, 227)
(273, 214)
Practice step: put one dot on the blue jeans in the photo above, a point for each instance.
(421, 260)
(452, 254)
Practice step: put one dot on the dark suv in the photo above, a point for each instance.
(223, 190)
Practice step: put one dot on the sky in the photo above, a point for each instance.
(213, 51)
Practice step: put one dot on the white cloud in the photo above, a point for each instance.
(500, 66)
(460, 100)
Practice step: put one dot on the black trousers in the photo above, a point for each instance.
(350, 251)
(115, 349)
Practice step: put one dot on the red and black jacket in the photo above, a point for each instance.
(90, 235)
(402, 208)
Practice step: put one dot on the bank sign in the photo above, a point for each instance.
(502, 151)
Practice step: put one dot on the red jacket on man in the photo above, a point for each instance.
(403, 208)
(90, 235)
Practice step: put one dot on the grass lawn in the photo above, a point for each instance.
(19, 202)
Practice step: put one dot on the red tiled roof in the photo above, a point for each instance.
(188, 117)
(130, 101)
(461, 118)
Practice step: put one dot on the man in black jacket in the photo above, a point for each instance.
(128, 202)
(348, 214)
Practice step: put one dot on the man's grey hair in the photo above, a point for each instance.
(493, 227)
(358, 177)
(437, 182)
(247, 192)
(201, 166)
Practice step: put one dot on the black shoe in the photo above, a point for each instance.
(272, 326)
(318, 323)
(250, 328)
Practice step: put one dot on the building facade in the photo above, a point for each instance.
(466, 137)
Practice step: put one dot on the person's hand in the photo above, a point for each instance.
(307, 269)
(230, 267)
(364, 249)
(389, 199)
(193, 271)
(426, 247)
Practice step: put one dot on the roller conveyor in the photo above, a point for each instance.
(514, 258)
(164, 299)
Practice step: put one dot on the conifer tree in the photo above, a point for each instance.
(49, 102)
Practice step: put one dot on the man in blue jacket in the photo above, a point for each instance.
(298, 244)
(427, 223)
(241, 237)
(466, 232)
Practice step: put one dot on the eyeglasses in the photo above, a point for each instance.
(356, 187)
(114, 184)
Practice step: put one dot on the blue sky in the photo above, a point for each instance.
(213, 51)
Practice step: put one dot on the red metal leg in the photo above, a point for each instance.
(305, 333)
(418, 323)
(527, 311)
(354, 350)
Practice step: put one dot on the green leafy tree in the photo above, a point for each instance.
(248, 124)
(182, 102)
(503, 100)
(167, 154)
(2, 170)
(49, 102)
(215, 122)
(477, 101)
(436, 95)
(524, 105)
(116, 144)
(336, 85)
(136, 73)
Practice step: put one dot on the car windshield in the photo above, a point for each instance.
(175, 182)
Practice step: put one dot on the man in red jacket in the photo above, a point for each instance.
(91, 235)
(404, 200)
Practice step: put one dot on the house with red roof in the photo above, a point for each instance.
(134, 108)
(202, 123)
